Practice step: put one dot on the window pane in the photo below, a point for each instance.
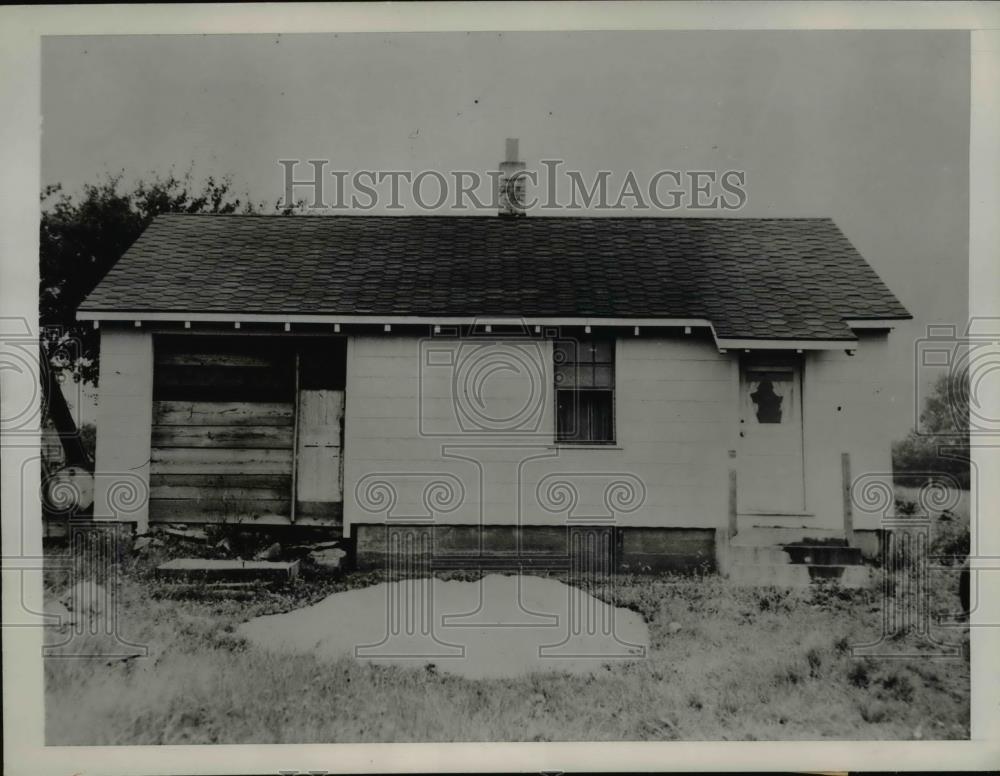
(604, 377)
(585, 416)
(603, 351)
(767, 396)
(584, 381)
(564, 352)
(567, 424)
(597, 411)
(566, 376)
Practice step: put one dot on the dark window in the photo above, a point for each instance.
(322, 364)
(768, 402)
(771, 393)
(585, 391)
(196, 367)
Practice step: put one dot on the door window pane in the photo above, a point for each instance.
(767, 402)
(769, 392)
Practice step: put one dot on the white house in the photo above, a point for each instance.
(497, 389)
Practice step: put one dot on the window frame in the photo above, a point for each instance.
(578, 342)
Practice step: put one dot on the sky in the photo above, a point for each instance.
(869, 128)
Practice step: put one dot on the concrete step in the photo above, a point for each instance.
(768, 574)
(208, 570)
(769, 556)
(796, 575)
(848, 576)
(772, 537)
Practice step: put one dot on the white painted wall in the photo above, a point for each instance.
(676, 421)
(124, 424)
(847, 408)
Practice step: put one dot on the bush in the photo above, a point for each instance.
(897, 686)
(859, 674)
(775, 599)
(917, 459)
(814, 657)
(950, 544)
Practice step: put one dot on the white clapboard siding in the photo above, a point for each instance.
(675, 419)
(124, 416)
(847, 408)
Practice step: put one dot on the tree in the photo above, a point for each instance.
(941, 443)
(946, 411)
(81, 239)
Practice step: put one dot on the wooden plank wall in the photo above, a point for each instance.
(223, 430)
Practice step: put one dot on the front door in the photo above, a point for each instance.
(770, 477)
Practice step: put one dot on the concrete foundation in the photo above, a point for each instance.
(682, 550)
(870, 543)
(583, 548)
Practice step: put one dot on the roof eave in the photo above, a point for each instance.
(138, 317)
(801, 345)
(86, 314)
(875, 324)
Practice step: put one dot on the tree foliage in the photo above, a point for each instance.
(939, 447)
(82, 237)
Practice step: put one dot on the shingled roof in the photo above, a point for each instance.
(752, 278)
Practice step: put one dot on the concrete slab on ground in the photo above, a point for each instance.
(495, 627)
(188, 569)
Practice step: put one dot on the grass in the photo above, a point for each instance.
(744, 665)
